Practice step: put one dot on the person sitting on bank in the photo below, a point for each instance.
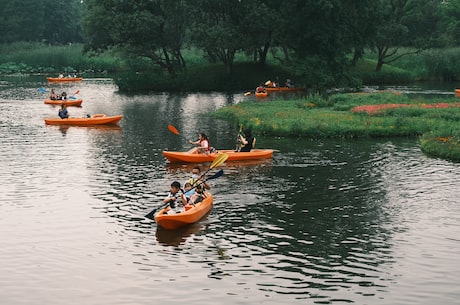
(175, 207)
(202, 143)
(63, 113)
(247, 141)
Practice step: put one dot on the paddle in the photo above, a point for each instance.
(151, 215)
(221, 158)
(176, 132)
(73, 97)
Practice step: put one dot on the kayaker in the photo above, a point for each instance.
(64, 96)
(175, 206)
(53, 95)
(202, 143)
(189, 191)
(260, 89)
(63, 113)
(247, 141)
(196, 178)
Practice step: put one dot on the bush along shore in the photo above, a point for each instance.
(385, 114)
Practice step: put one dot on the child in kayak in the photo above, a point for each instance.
(173, 196)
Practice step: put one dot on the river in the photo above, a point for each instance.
(367, 221)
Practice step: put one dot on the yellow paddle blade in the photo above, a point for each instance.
(268, 82)
(219, 160)
(247, 93)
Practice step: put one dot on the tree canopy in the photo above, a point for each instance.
(314, 38)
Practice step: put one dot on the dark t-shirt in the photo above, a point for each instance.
(248, 147)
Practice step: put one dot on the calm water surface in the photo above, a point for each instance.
(324, 222)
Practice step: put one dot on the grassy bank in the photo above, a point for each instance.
(315, 116)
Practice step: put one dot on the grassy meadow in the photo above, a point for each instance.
(436, 121)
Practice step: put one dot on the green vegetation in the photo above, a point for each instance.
(30, 58)
(316, 116)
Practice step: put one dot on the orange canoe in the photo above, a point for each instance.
(187, 157)
(66, 102)
(64, 79)
(190, 215)
(457, 92)
(97, 119)
(284, 89)
(261, 94)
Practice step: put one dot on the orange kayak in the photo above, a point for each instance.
(66, 102)
(457, 92)
(64, 79)
(284, 89)
(97, 119)
(187, 157)
(261, 94)
(190, 215)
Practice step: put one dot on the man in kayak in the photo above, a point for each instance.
(175, 205)
(196, 179)
(63, 113)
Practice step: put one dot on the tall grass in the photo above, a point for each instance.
(41, 58)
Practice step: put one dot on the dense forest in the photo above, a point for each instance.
(314, 39)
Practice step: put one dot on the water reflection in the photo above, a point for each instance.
(325, 221)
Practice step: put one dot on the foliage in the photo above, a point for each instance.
(39, 58)
(442, 143)
(302, 118)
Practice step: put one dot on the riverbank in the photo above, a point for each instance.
(336, 116)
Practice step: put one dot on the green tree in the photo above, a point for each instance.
(405, 23)
(21, 20)
(220, 27)
(450, 22)
(63, 21)
(153, 29)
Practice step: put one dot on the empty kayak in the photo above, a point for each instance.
(192, 214)
(187, 157)
(65, 102)
(64, 79)
(97, 119)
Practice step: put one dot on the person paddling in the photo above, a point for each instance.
(247, 141)
(63, 113)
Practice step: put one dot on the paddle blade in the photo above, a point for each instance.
(219, 160)
(216, 175)
(76, 92)
(151, 215)
(247, 93)
(173, 129)
(267, 83)
(42, 90)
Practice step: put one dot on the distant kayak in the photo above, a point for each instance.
(261, 94)
(97, 119)
(187, 157)
(65, 102)
(64, 79)
(287, 89)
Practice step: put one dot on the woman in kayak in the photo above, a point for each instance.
(202, 143)
(247, 141)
